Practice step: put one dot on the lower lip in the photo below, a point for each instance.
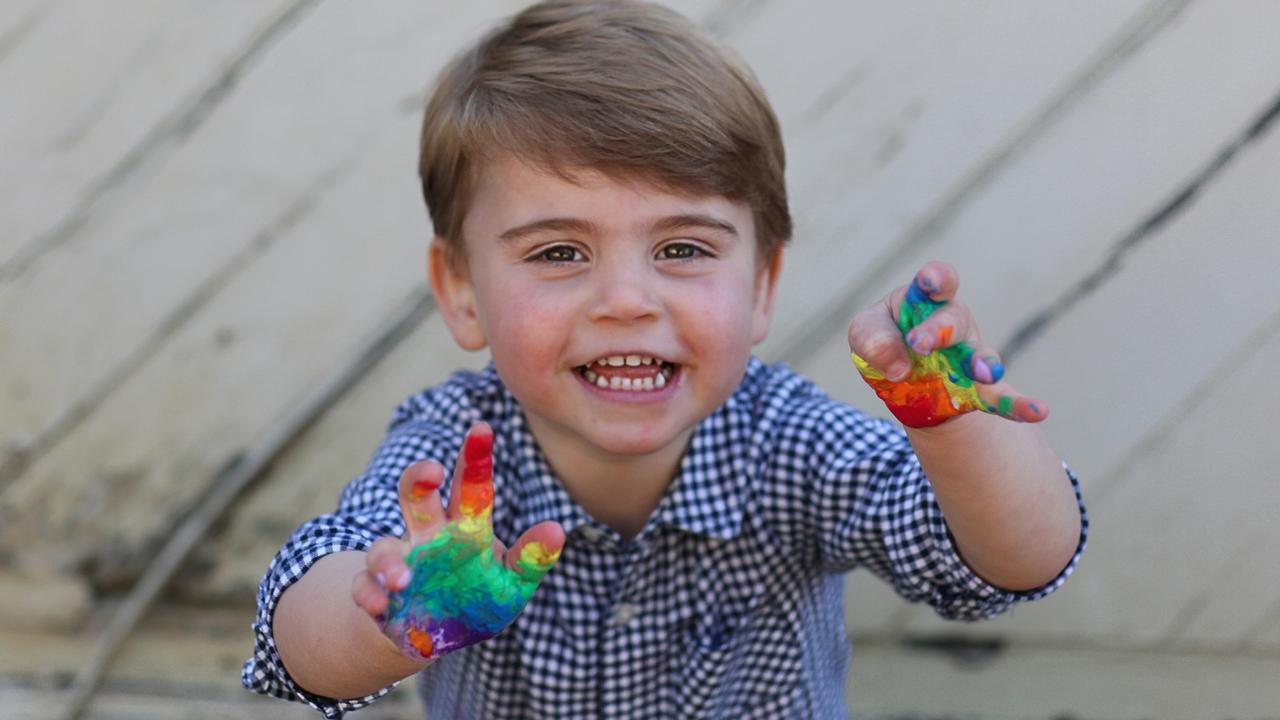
(635, 396)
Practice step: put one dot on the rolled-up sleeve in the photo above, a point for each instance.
(367, 510)
(876, 509)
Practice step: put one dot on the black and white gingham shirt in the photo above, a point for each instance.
(728, 604)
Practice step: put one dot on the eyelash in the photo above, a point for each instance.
(549, 254)
(545, 255)
(695, 251)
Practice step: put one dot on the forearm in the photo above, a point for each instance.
(327, 643)
(1007, 502)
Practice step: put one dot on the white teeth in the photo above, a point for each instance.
(634, 360)
(599, 373)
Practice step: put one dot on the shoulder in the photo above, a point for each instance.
(789, 411)
(464, 397)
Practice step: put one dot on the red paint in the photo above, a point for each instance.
(476, 493)
(478, 454)
(916, 402)
(422, 488)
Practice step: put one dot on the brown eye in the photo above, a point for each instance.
(559, 254)
(680, 251)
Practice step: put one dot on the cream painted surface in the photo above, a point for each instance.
(240, 265)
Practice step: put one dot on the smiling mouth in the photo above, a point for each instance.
(634, 373)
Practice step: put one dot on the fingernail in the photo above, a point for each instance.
(997, 369)
(898, 371)
(917, 294)
(382, 579)
(927, 283)
(423, 488)
(982, 371)
(402, 579)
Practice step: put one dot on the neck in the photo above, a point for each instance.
(621, 491)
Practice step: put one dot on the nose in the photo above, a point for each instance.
(624, 291)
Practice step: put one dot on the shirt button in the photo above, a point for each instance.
(591, 534)
(623, 614)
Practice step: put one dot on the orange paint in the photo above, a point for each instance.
(944, 336)
(420, 640)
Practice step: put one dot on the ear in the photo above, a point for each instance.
(766, 283)
(455, 296)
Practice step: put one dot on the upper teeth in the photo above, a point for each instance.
(631, 360)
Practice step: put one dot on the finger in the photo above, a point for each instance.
(420, 499)
(874, 336)
(385, 563)
(472, 495)
(936, 281)
(1003, 400)
(368, 594)
(536, 551)
(949, 325)
(985, 366)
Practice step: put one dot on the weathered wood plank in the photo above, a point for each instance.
(1177, 479)
(74, 331)
(1061, 210)
(1224, 451)
(899, 124)
(305, 482)
(183, 662)
(889, 681)
(96, 82)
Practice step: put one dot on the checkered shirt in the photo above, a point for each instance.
(728, 604)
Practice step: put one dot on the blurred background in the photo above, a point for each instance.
(212, 295)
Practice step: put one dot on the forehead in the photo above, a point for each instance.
(508, 192)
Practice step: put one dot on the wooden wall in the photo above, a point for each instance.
(209, 212)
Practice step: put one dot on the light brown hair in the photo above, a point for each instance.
(629, 89)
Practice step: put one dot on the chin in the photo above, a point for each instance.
(630, 442)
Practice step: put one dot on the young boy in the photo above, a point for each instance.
(607, 192)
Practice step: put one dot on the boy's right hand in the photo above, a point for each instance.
(449, 582)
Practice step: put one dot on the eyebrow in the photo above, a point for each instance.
(586, 227)
(695, 220)
(555, 224)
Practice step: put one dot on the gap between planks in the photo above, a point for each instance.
(240, 473)
(169, 133)
(1132, 37)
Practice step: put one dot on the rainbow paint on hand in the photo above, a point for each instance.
(940, 385)
(460, 594)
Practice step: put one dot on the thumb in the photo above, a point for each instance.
(536, 551)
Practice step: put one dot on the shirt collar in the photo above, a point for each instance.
(706, 497)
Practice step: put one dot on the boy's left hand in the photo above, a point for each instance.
(919, 349)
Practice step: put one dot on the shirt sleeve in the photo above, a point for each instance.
(877, 509)
(368, 509)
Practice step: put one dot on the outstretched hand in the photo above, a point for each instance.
(919, 349)
(450, 583)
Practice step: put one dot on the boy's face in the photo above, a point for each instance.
(560, 277)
